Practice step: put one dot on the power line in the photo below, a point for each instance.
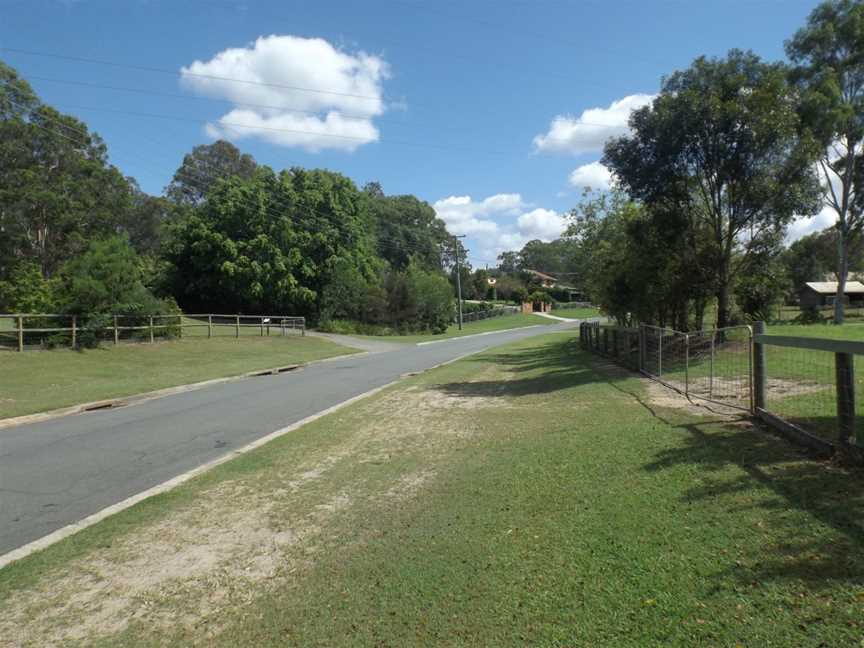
(145, 68)
(236, 126)
(138, 67)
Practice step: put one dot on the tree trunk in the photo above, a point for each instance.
(723, 298)
(842, 273)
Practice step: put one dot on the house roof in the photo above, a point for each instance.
(830, 287)
(543, 275)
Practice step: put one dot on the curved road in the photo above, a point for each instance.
(58, 472)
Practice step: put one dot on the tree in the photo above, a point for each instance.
(720, 144)
(406, 228)
(105, 279)
(204, 167)
(829, 53)
(57, 189)
(271, 243)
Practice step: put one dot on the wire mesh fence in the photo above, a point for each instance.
(809, 385)
(806, 387)
(21, 332)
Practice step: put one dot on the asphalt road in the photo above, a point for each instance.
(58, 472)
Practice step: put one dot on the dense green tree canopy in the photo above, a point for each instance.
(721, 145)
(204, 167)
(57, 188)
(829, 72)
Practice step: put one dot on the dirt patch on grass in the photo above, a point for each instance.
(240, 537)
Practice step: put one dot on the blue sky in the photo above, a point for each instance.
(477, 107)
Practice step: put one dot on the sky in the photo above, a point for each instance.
(495, 112)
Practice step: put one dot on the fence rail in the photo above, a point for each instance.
(476, 316)
(804, 387)
(20, 331)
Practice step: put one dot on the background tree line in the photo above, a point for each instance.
(713, 171)
(228, 235)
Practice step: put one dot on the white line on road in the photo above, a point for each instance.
(473, 335)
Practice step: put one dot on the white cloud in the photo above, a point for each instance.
(593, 174)
(543, 224)
(465, 216)
(589, 132)
(498, 223)
(294, 91)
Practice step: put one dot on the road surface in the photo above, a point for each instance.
(60, 471)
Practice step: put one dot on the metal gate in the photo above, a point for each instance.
(715, 365)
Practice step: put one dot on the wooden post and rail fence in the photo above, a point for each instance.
(19, 331)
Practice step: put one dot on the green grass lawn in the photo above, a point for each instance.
(469, 328)
(36, 381)
(576, 312)
(522, 497)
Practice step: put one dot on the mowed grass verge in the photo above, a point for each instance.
(520, 497)
(36, 381)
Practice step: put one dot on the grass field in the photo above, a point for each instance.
(576, 312)
(519, 497)
(37, 381)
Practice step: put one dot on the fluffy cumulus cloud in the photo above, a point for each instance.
(466, 216)
(593, 175)
(294, 92)
(498, 223)
(589, 131)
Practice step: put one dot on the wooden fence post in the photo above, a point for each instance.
(151, 330)
(209, 326)
(74, 331)
(760, 379)
(20, 333)
(262, 326)
(237, 327)
(844, 370)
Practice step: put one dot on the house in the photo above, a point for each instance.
(817, 294)
(547, 281)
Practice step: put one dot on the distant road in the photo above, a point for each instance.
(58, 472)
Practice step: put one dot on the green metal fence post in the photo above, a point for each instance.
(759, 367)
(844, 369)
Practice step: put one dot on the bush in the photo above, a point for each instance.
(26, 290)
(104, 281)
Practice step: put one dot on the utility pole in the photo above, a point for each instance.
(459, 279)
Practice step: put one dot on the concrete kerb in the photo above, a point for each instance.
(137, 399)
(90, 520)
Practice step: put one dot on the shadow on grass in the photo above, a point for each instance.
(558, 365)
(832, 495)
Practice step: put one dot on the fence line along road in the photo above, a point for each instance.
(476, 316)
(804, 387)
(20, 331)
